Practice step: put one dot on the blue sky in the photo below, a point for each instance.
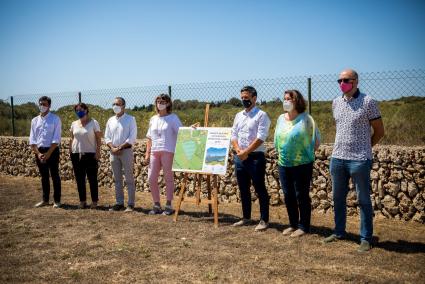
(50, 46)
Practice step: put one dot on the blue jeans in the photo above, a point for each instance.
(252, 169)
(359, 171)
(295, 183)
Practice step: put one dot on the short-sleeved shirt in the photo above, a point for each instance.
(163, 132)
(45, 130)
(120, 130)
(249, 126)
(84, 136)
(295, 140)
(353, 130)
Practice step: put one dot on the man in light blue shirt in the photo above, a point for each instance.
(45, 138)
(250, 130)
(120, 136)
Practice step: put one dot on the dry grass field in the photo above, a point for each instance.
(69, 245)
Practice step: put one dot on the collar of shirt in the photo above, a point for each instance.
(121, 117)
(252, 112)
(355, 96)
(46, 116)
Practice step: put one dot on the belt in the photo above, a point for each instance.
(84, 154)
(256, 154)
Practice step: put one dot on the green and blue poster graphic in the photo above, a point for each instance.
(202, 150)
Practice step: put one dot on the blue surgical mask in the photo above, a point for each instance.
(246, 103)
(80, 113)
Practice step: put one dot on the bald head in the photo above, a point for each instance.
(349, 73)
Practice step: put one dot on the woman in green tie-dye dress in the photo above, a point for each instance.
(295, 139)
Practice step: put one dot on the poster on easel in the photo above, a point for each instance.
(202, 150)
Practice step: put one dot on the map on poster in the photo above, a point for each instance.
(202, 150)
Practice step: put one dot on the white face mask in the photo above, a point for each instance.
(161, 106)
(43, 109)
(288, 106)
(116, 109)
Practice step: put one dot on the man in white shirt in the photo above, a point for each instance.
(120, 136)
(45, 138)
(250, 130)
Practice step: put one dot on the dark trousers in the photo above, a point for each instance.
(253, 169)
(85, 165)
(52, 166)
(295, 182)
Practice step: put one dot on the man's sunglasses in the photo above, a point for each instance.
(345, 80)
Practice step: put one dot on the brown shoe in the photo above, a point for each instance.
(82, 205)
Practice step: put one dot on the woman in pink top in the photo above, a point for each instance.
(162, 137)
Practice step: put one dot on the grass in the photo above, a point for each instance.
(39, 245)
(402, 119)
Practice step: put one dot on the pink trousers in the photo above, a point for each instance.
(160, 160)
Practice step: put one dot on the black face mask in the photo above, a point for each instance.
(246, 103)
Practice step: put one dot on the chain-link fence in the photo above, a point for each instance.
(401, 95)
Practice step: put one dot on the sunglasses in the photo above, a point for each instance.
(345, 80)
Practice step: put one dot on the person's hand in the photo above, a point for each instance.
(115, 151)
(242, 155)
(40, 157)
(195, 125)
(46, 156)
(147, 159)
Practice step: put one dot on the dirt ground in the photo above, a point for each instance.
(69, 245)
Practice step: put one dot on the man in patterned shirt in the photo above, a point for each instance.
(355, 113)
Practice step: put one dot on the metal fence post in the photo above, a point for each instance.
(79, 97)
(309, 94)
(12, 116)
(169, 91)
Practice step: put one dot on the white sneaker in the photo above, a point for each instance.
(288, 231)
(261, 226)
(130, 208)
(41, 204)
(297, 233)
(56, 205)
(240, 223)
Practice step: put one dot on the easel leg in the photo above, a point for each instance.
(198, 180)
(209, 193)
(181, 196)
(215, 202)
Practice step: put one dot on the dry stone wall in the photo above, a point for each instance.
(397, 177)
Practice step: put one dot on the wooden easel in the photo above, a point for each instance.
(212, 200)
